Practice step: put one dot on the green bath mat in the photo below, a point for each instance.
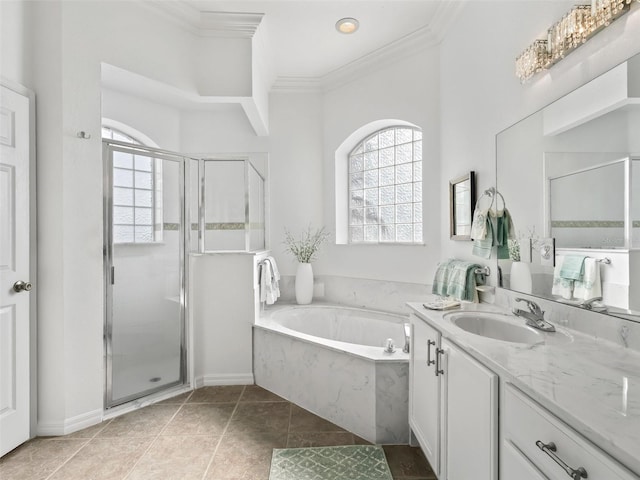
(350, 462)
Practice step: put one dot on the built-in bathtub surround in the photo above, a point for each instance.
(621, 332)
(331, 360)
(361, 292)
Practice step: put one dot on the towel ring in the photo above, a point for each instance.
(492, 193)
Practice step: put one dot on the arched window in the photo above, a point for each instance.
(385, 187)
(137, 194)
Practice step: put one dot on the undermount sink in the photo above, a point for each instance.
(495, 326)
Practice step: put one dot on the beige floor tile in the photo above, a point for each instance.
(37, 458)
(104, 459)
(176, 458)
(261, 416)
(177, 400)
(200, 419)
(319, 439)
(217, 394)
(304, 421)
(87, 433)
(145, 422)
(254, 393)
(245, 456)
(406, 461)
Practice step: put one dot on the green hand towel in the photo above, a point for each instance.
(482, 247)
(572, 267)
(456, 279)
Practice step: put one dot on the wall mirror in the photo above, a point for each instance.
(571, 176)
(462, 197)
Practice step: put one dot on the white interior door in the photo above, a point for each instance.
(14, 268)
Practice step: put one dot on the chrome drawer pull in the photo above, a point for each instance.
(429, 361)
(439, 371)
(549, 449)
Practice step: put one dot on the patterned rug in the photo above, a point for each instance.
(350, 462)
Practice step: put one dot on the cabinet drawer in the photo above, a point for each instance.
(517, 466)
(525, 423)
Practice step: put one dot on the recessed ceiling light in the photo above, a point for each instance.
(347, 25)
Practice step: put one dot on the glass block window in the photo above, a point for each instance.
(137, 180)
(385, 187)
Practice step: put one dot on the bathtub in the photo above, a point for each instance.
(330, 360)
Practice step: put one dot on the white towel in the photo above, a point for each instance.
(590, 286)
(562, 287)
(269, 276)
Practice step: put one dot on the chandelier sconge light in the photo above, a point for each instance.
(575, 28)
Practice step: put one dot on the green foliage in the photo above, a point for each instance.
(306, 249)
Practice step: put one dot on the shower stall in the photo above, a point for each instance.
(159, 207)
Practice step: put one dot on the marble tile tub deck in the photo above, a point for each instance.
(213, 433)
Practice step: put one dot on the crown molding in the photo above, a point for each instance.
(229, 24)
(422, 39)
(296, 84)
(404, 47)
(207, 24)
(445, 15)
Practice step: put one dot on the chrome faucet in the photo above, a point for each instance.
(535, 316)
(588, 304)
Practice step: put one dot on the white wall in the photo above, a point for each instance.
(481, 96)
(296, 170)
(405, 90)
(161, 123)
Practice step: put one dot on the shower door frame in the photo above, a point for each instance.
(108, 147)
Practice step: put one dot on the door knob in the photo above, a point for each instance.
(21, 286)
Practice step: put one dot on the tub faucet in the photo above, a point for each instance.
(407, 337)
(535, 316)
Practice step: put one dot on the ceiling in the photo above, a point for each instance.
(306, 44)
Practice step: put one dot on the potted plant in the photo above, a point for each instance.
(520, 272)
(305, 250)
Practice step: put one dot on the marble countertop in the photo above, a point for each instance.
(591, 384)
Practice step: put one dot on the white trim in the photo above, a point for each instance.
(70, 425)
(130, 131)
(207, 23)
(224, 379)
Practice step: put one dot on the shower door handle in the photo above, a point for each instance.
(113, 275)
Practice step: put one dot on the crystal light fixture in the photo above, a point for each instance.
(571, 31)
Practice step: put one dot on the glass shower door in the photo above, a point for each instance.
(145, 278)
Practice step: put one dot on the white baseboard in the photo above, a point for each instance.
(224, 379)
(70, 425)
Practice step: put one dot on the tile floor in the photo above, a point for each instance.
(213, 433)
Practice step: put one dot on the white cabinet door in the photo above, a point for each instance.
(14, 267)
(424, 398)
(471, 417)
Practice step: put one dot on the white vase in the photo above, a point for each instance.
(521, 277)
(304, 284)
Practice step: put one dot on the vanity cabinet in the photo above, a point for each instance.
(424, 390)
(548, 447)
(470, 412)
(453, 410)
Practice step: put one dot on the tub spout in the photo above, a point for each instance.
(407, 337)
